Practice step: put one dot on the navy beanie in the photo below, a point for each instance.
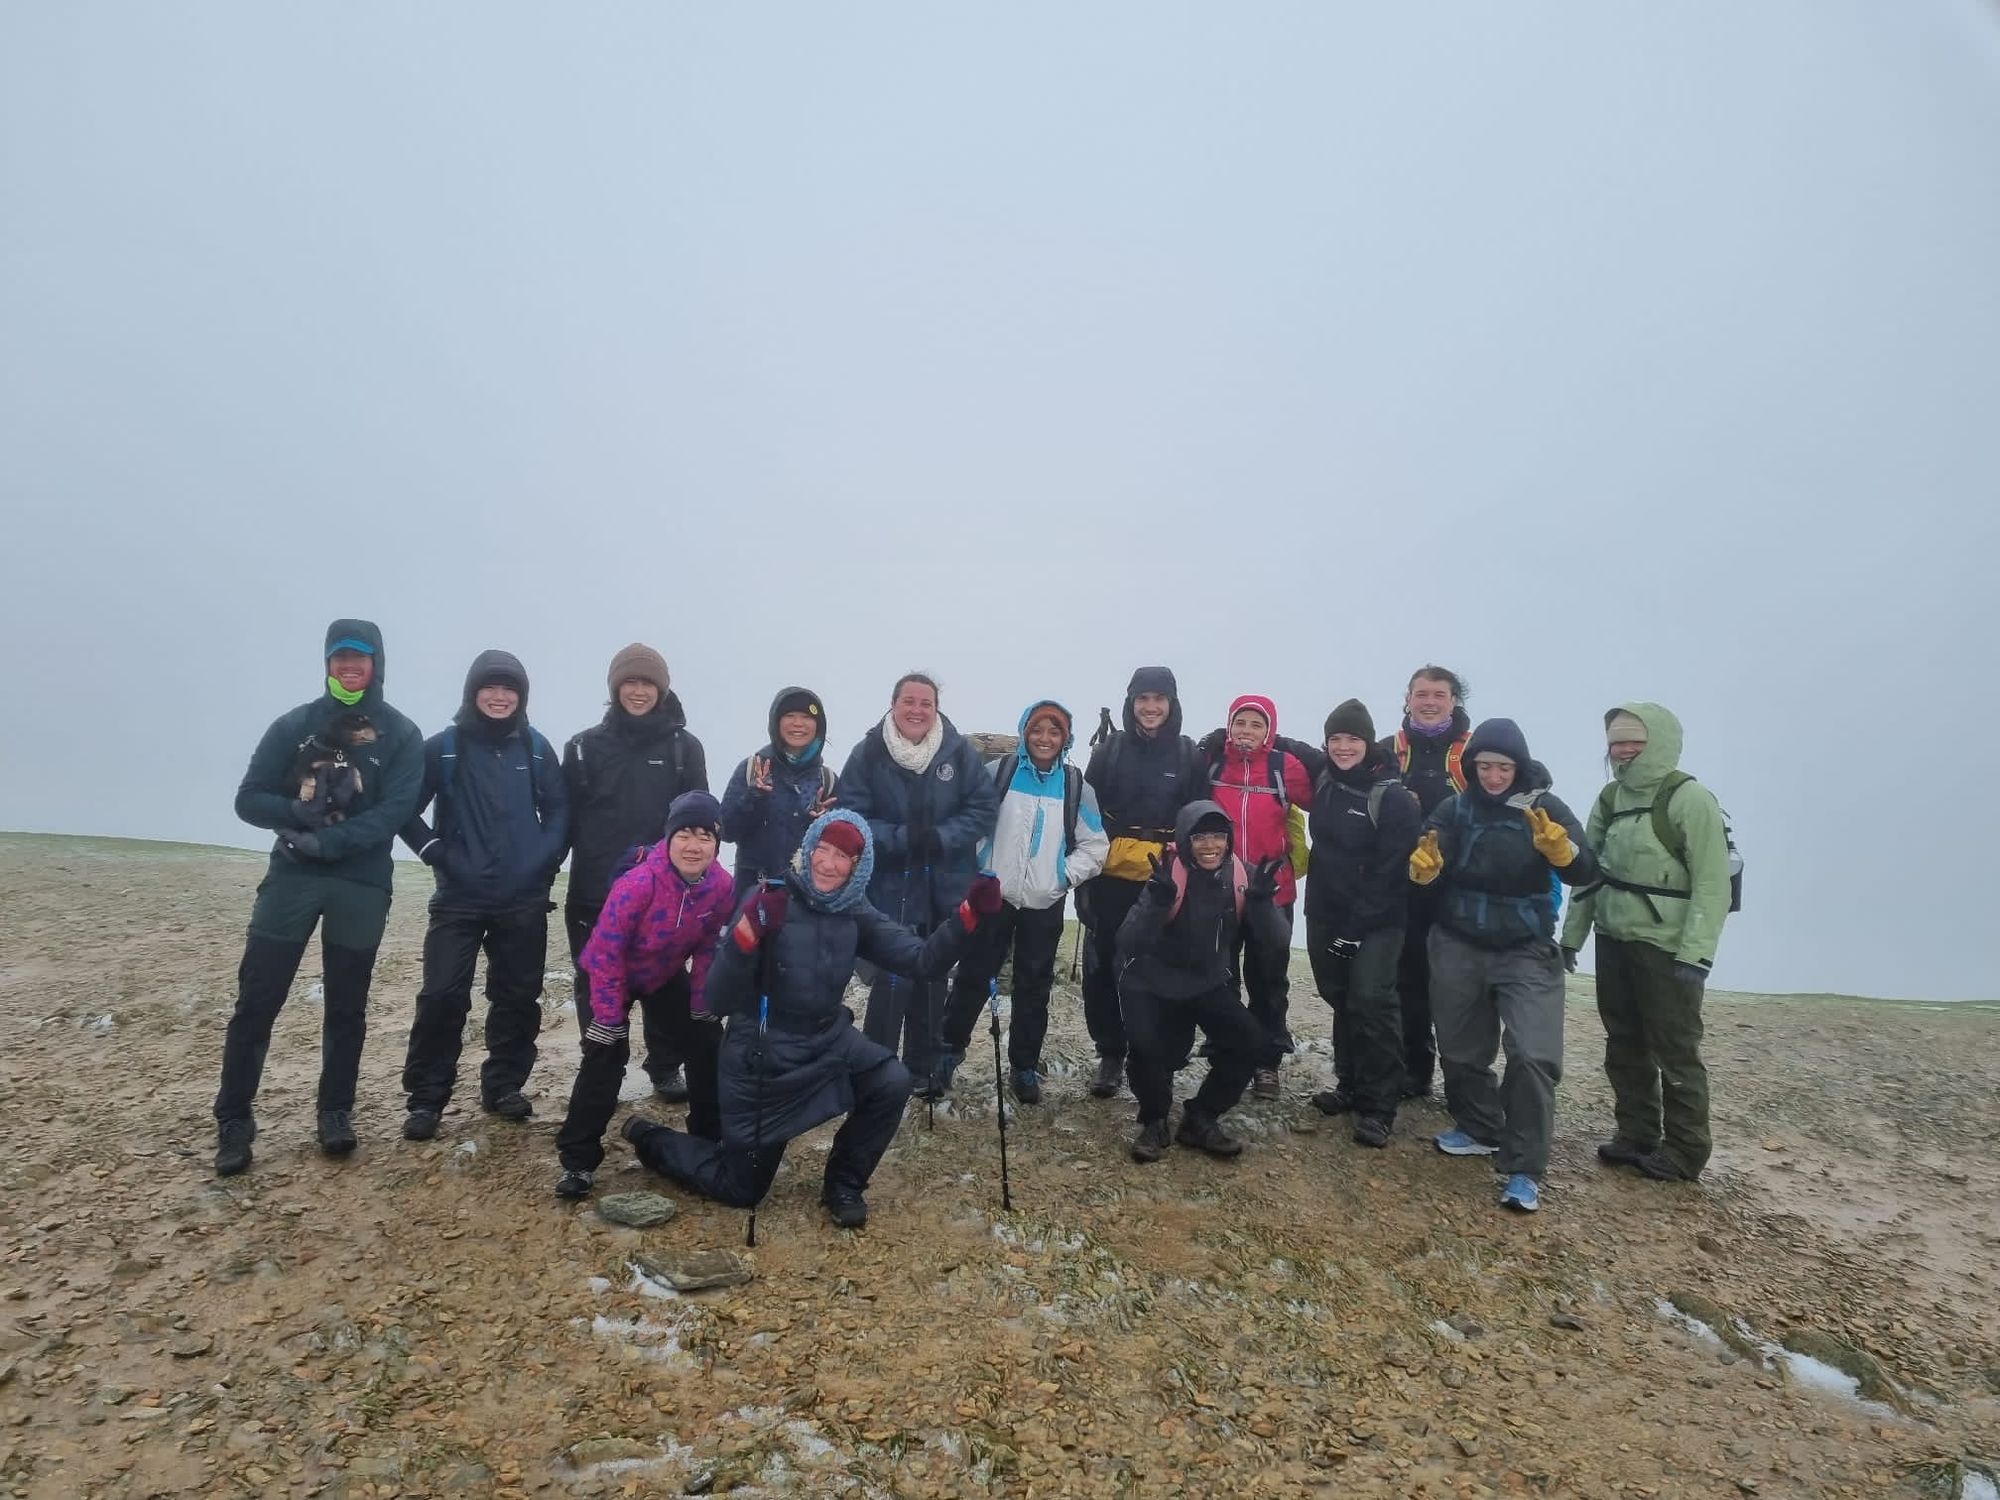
(694, 810)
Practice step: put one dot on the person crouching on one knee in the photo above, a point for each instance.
(1175, 956)
(791, 1056)
(661, 920)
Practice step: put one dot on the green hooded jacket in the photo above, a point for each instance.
(1688, 926)
(392, 773)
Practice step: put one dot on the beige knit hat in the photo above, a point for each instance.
(642, 662)
(1620, 726)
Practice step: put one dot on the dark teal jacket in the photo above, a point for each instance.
(392, 778)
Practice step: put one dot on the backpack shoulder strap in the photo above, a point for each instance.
(1179, 872)
(1072, 804)
(448, 760)
(537, 749)
(1664, 828)
(827, 777)
(1454, 762)
(1274, 761)
(1003, 772)
(1403, 750)
(1375, 795)
(1239, 881)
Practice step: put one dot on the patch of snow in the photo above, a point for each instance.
(558, 976)
(1978, 1486)
(316, 993)
(102, 1023)
(1444, 1330)
(648, 1286)
(466, 1148)
(1815, 1373)
(807, 1440)
(599, 1284)
(757, 1415)
(1694, 1326)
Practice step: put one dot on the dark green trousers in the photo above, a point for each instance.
(1652, 1051)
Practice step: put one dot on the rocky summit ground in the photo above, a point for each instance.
(1313, 1319)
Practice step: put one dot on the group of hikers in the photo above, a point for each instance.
(1433, 862)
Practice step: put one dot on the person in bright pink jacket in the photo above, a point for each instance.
(1258, 785)
(663, 916)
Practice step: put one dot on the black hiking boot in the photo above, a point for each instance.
(1619, 1152)
(575, 1183)
(335, 1132)
(845, 1206)
(232, 1146)
(636, 1128)
(1334, 1101)
(1205, 1133)
(1152, 1141)
(1373, 1130)
(671, 1087)
(421, 1124)
(512, 1105)
(1663, 1168)
(1110, 1078)
(1027, 1085)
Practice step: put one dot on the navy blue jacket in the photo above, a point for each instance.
(1496, 890)
(501, 828)
(767, 827)
(814, 1049)
(954, 796)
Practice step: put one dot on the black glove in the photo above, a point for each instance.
(299, 843)
(1161, 881)
(1691, 976)
(1263, 882)
(1343, 948)
(1213, 743)
(1569, 960)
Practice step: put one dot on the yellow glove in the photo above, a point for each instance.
(1426, 864)
(1551, 838)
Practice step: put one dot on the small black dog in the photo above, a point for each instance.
(329, 781)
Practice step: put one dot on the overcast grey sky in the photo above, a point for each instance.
(1597, 350)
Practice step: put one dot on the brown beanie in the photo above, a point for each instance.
(1351, 718)
(642, 662)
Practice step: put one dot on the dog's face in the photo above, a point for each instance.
(353, 730)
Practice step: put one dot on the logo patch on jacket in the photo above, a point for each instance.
(947, 771)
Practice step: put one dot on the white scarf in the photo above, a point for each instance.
(912, 757)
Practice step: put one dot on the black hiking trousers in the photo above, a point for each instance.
(1033, 937)
(1162, 1032)
(593, 1099)
(516, 944)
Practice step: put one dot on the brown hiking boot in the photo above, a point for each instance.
(1264, 1084)
(1205, 1133)
(1152, 1141)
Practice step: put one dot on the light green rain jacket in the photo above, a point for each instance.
(1686, 926)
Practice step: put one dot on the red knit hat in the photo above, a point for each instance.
(845, 837)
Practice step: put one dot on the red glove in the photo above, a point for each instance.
(763, 915)
(982, 899)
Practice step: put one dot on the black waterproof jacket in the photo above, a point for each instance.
(1194, 950)
(622, 775)
(1359, 878)
(392, 778)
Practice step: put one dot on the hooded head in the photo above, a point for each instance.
(1154, 680)
(798, 700)
(1498, 737)
(1256, 703)
(855, 891)
(493, 669)
(1200, 817)
(353, 635)
(1049, 709)
(1662, 733)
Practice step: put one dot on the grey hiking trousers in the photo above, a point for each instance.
(1484, 1000)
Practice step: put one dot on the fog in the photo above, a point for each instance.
(1596, 351)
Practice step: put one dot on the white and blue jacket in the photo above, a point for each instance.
(1028, 849)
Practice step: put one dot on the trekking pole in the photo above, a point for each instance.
(763, 1051)
(999, 1087)
(757, 1131)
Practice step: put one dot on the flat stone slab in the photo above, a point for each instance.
(639, 1210)
(695, 1270)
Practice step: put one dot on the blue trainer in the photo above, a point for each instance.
(1522, 1194)
(1458, 1143)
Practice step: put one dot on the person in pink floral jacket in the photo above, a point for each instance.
(663, 916)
